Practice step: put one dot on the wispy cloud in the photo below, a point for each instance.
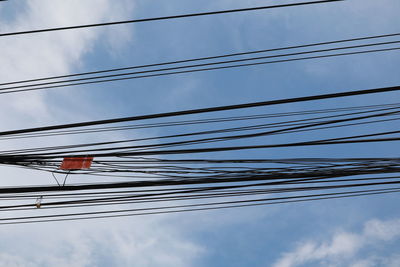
(139, 243)
(121, 242)
(344, 248)
(46, 54)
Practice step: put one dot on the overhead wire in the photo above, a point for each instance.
(166, 17)
(298, 124)
(16, 220)
(196, 122)
(206, 58)
(165, 72)
(157, 180)
(204, 110)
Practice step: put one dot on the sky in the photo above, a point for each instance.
(358, 232)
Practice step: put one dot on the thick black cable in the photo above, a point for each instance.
(302, 198)
(199, 209)
(295, 123)
(341, 140)
(191, 122)
(176, 190)
(290, 129)
(205, 110)
(134, 200)
(175, 182)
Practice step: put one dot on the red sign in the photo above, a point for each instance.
(76, 163)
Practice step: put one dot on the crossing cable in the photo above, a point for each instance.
(198, 121)
(285, 180)
(204, 110)
(289, 182)
(274, 178)
(317, 173)
(297, 123)
(221, 190)
(20, 159)
(297, 127)
(107, 193)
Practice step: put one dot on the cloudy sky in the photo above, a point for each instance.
(350, 232)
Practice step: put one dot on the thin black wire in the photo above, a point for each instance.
(201, 209)
(177, 190)
(144, 198)
(40, 85)
(207, 180)
(331, 141)
(29, 159)
(204, 110)
(165, 18)
(124, 200)
(215, 191)
(190, 122)
(297, 123)
(296, 129)
(204, 58)
(270, 190)
(202, 69)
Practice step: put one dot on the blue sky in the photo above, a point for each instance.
(356, 232)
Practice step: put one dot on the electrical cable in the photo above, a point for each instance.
(166, 17)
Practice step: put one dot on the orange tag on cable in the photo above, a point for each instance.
(76, 163)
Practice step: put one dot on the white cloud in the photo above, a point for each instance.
(125, 242)
(55, 53)
(343, 248)
(88, 243)
(47, 54)
(382, 230)
(142, 243)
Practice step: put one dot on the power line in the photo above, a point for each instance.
(204, 110)
(199, 121)
(305, 198)
(271, 177)
(166, 17)
(294, 126)
(206, 58)
(317, 175)
(183, 69)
